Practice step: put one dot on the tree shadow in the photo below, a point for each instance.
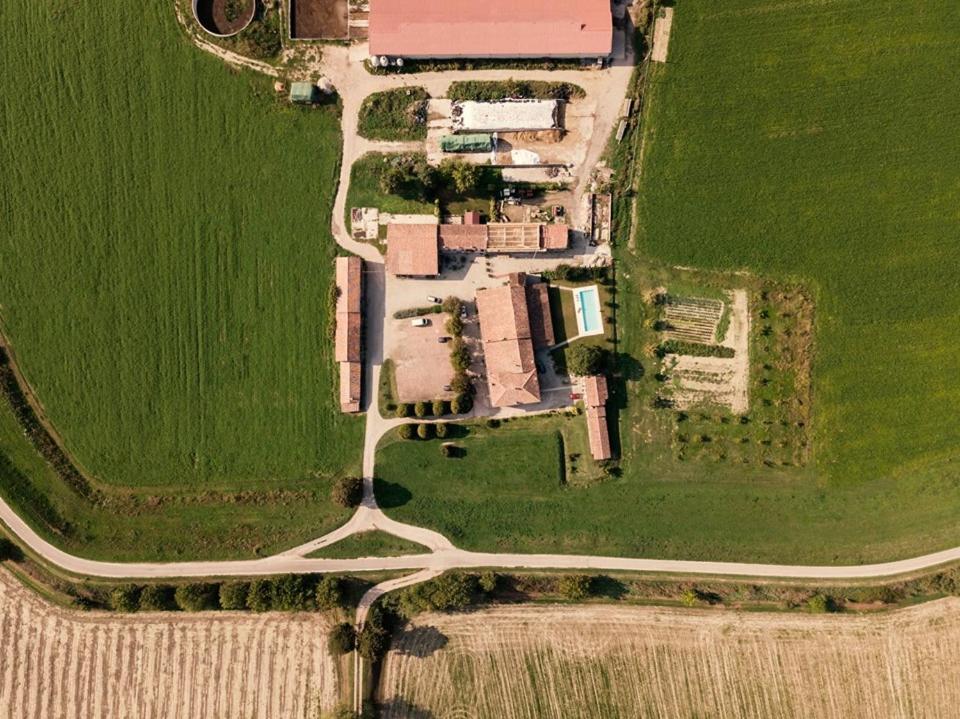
(604, 586)
(390, 494)
(420, 642)
(400, 707)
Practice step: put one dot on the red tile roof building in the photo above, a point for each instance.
(348, 342)
(508, 344)
(413, 250)
(495, 28)
(595, 401)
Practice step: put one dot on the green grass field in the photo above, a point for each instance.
(369, 544)
(167, 260)
(811, 144)
(394, 115)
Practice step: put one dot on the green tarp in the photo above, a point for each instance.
(304, 92)
(467, 143)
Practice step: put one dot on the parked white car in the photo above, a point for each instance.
(420, 322)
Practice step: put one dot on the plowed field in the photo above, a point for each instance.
(63, 664)
(525, 662)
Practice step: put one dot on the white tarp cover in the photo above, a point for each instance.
(508, 115)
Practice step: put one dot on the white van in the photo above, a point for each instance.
(420, 322)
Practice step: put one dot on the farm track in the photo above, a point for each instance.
(61, 664)
(588, 661)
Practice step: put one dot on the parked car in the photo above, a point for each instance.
(435, 300)
(447, 388)
(443, 340)
(463, 312)
(420, 322)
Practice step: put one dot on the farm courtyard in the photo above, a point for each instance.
(817, 150)
(170, 314)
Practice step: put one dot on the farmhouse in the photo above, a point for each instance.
(491, 29)
(413, 250)
(511, 329)
(348, 342)
(595, 401)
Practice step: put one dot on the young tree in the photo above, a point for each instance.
(463, 176)
(420, 409)
(233, 595)
(459, 355)
(342, 639)
(425, 430)
(406, 431)
(461, 383)
(574, 586)
(455, 325)
(442, 429)
(260, 596)
(8, 550)
(125, 598)
(403, 410)
(438, 408)
(347, 491)
(197, 597)
(585, 360)
(156, 598)
(329, 592)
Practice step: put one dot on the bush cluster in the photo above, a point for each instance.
(347, 491)
(493, 90)
(693, 349)
(291, 592)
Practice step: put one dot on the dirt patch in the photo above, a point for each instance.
(661, 35)
(60, 663)
(225, 17)
(318, 19)
(593, 661)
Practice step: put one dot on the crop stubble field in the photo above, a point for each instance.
(589, 661)
(166, 262)
(800, 143)
(61, 664)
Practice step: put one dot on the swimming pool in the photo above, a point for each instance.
(587, 303)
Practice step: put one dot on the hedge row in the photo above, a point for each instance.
(292, 592)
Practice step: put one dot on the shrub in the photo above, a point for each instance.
(420, 410)
(342, 639)
(125, 598)
(455, 326)
(156, 598)
(689, 598)
(197, 597)
(447, 450)
(406, 431)
(347, 491)
(425, 430)
(403, 410)
(233, 595)
(493, 423)
(461, 404)
(460, 355)
(575, 586)
(439, 408)
(821, 603)
(488, 582)
(259, 596)
(451, 305)
(374, 638)
(461, 383)
(462, 176)
(441, 430)
(448, 591)
(291, 592)
(329, 592)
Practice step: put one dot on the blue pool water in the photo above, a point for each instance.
(589, 319)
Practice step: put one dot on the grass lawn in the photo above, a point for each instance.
(365, 190)
(394, 115)
(170, 312)
(804, 146)
(369, 544)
